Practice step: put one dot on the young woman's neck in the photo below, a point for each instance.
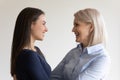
(31, 46)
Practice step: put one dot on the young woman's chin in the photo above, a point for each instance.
(40, 39)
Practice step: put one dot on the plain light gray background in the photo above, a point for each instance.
(59, 39)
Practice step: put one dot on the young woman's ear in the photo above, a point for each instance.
(32, 25)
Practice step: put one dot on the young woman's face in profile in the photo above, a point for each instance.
(82, 31)
(39, 28)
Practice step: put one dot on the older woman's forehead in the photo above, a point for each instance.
(76, 20)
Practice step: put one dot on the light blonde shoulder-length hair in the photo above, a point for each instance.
(93, 17)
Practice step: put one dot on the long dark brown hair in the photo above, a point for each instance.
(22, 32)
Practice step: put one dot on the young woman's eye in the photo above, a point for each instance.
(44, 23)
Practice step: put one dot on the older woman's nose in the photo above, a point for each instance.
(73, 30)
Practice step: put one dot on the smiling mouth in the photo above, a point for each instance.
(76, 34)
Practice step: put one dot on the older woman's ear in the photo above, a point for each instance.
(91, 27)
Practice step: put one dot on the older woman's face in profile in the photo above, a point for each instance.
(82, 31)
(39, 28)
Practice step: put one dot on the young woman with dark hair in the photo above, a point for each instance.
(27, 61)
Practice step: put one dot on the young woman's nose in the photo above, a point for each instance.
(46, 29)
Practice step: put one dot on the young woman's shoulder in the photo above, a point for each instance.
(27, 54)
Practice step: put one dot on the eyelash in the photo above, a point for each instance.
(44, 23)
(76, 24)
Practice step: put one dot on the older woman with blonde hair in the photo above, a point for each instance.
(89, 60)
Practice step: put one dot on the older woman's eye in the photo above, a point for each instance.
(75, 24)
